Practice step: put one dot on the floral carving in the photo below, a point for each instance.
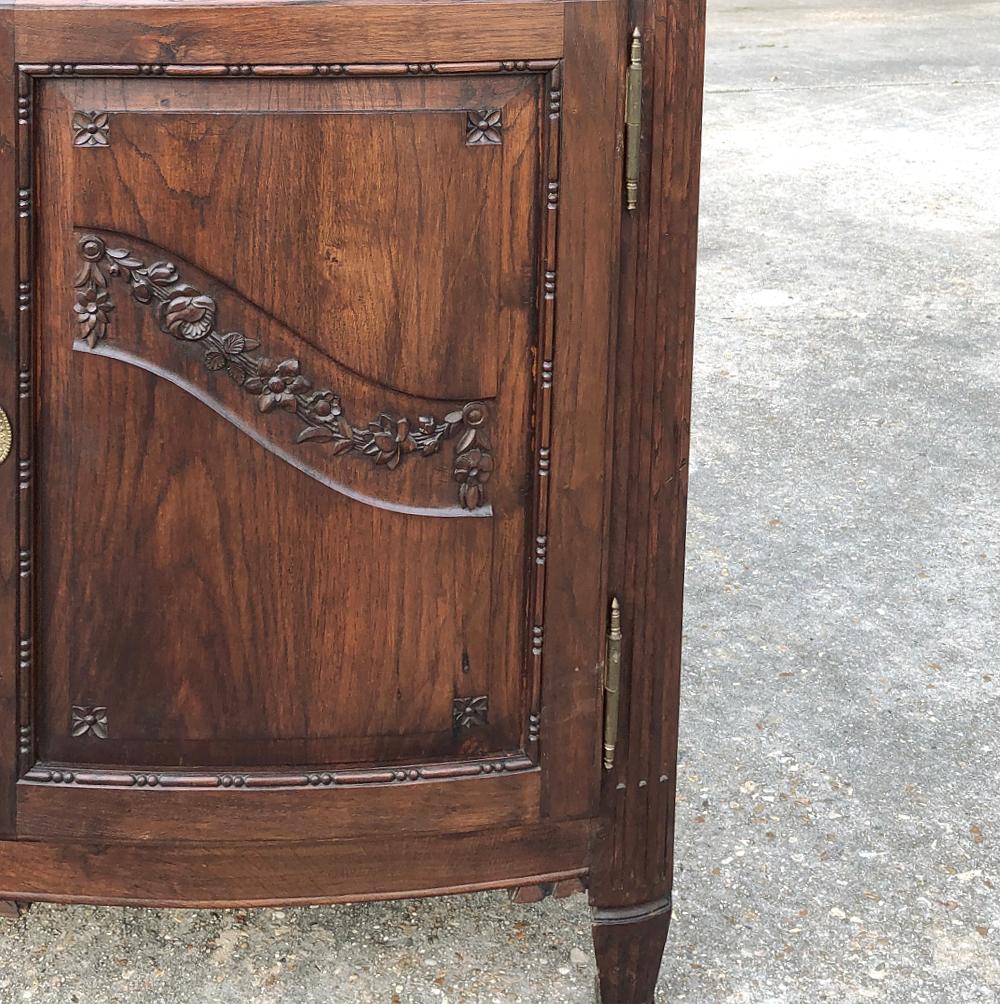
(277, 385)
(94, 306)
(470, 712)
(189, 315)
(484, 127)
(472, 471)
(89, 720)
(91, 128)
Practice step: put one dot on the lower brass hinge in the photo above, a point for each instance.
(612, 683)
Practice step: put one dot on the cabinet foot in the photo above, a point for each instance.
(629, 944)
(9, 910)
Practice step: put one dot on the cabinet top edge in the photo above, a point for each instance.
(165, 6)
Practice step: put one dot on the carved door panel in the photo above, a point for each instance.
(287, 407)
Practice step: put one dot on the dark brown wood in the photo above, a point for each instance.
(415, 34)
(10, 910)
(246, 872)
(633, 856)
(9, 396)
(629, 945)
(327, 332)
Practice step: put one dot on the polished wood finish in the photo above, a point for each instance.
(629, 945)
(649, 496)
(328, 333)
(9, 580)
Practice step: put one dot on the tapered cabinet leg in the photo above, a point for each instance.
(629, 945)
(9, 910)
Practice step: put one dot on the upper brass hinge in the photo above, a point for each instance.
(612, 683)
(633, 121)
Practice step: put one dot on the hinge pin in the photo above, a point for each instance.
(633, 121)
(612, 683)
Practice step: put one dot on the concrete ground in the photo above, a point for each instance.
(839, 798)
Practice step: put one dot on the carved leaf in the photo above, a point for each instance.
(470, 495)
(84, 276)
(234, 343)
(314, 434)
(215, 359)
(123, 257)
(468, 438)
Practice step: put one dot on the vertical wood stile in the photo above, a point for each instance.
(633, 867)
(9, 129)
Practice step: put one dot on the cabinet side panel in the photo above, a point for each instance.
(8, 399)
(634, 861)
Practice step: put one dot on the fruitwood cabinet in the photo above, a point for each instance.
(344, 364)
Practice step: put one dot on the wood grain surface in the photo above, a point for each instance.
(346, 393)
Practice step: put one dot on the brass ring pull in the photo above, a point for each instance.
(6, 436)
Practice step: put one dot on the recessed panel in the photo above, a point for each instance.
(287, 358)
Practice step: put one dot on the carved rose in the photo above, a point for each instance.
(93, 307)
(189, 317)
(277, 385)
(472, 471)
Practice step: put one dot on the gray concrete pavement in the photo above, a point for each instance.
(839, 795)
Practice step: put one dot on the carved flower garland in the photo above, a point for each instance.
(189, 315)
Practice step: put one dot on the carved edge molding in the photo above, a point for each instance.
(260, 780)
(223, 70)
(190, 316)
(25, 434)
(543, 402)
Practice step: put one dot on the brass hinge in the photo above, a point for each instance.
(633, 121)
(612, 683)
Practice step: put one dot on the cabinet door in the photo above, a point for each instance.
(297, 417)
